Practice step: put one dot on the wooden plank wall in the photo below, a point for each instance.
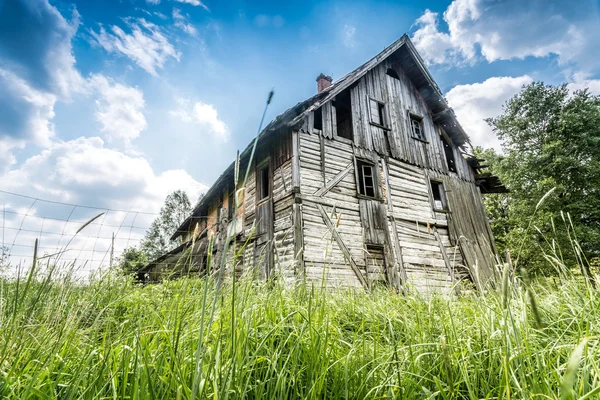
(323, 258)
(470, 227)
(283, 237)
(400, 97)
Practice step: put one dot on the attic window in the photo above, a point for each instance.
(392, 73)
(343, 114)
(439, 196)
(366, 178)
(318, 122)
(449, 155)
(416, 126)
(377, 112)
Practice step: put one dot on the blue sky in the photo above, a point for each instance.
(117, 103)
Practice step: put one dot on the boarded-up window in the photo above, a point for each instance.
(416, 126)
(377, 112)
(366, 178)
(375, 264)
(449, 155)
(439, 196)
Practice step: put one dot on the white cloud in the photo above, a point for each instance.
(202, 114)
(119, 109)
(182, 22)
(145, 45)
(511, 29)
(83, 171)
(195, 3)
(582, 81)
(26, 113)
(475, 102)
(263, 20)
(348, 36)
(154, 2)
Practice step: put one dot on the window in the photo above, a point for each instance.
(230, 205)
(343, 115)
(263, 183)
(366, 178)
(392, 73)
(377, 111)
(416, 126)
(439, 196)
(449, 155)
(318, 123)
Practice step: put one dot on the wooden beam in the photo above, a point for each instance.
(295, 162)
(298, 240)
(446, 260)
(334, 181)
(342, 246)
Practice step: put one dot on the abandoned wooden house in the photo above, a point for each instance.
(365, 183)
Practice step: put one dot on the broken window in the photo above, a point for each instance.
(343, 114)
(449, 155)
(416, 126)
(439, 196)
(377, 112)
(366, 178)
(263, 183)
(318, 122)
(392, 73)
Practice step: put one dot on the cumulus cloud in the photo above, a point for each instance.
(25, 113)
(183, 23)
(195, 3)
(202, 114)
(119, 109)
(145, 44)
(83, 171)
(510, 29)
(475, 102)
(35, 43)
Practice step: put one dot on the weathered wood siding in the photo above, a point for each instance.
(283, 230)
(400, 98)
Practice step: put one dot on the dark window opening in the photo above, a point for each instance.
(377, 111)
(366, 178)
(230, 205)
(449, 155)
(392, 73)
(318, 123)
(416, 126)
(264, 183)
(343, 113)
(439, 196)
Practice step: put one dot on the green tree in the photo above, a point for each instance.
(551, 143)
(132, 260)
(176, 209)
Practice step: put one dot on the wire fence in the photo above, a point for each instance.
(64, 232)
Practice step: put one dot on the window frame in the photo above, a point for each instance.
(359, 164)
(265, 165)
(382, 114)
(443, 197)
(419, 119)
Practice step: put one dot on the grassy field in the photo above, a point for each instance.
(192, 338)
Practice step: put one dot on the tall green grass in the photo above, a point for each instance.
(110, 338)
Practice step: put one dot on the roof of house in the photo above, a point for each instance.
(293, 117)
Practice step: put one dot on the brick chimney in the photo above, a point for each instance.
(323, 82)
